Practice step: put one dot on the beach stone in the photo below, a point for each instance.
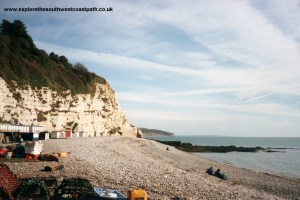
(130, 163)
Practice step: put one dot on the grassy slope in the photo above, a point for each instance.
(22, 62)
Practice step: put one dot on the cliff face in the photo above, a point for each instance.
(69, 97)
(98, 114)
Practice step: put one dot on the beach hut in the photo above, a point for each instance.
(9, 128)
(3, 127)
(75, 134)
(68, 134)
(44, 135)
(30, 136)
(82, 134)
(56, 135)
(35, 136)
(35, 129)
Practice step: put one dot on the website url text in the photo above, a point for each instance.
(59, 9)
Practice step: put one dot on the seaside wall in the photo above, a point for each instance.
(98, 114)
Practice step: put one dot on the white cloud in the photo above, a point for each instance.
(157, 115)
(147, 78)
(116, 60)
(207, 104)
(244, 83)
(202, 91)
(234, 29)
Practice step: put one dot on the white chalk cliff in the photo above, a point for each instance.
(97, 114)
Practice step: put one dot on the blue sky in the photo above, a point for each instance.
(194, 67)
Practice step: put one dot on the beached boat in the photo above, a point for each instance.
(109, 194)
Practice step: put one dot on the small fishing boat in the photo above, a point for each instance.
(109, 194)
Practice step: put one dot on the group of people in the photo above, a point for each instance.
(217, 173)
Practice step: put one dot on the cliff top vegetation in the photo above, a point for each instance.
(22, 62)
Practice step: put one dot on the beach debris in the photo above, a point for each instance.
(19, 151)
(51, 183)
(12, 151)
(3, 152)
(177, 198)
(53, 167)
(32, 189)
(8, 182)
(9, 154)
(63, 154)
(49, 157)
(75, 188)
(137, 194)
(109, 194)
(33, 149)
(31, 157)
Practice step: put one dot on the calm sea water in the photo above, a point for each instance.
(286, 162)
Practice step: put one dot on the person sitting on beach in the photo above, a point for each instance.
(210, 171)
(219, 175)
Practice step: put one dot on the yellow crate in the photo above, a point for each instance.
(62, 154)
(137, 195)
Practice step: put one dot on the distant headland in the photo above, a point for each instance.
(154, 132)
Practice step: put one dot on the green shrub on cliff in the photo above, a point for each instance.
(22, 62)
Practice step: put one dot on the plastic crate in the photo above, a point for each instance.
(137, 195)
(119, 195)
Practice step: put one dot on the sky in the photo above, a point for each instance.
(193, 67)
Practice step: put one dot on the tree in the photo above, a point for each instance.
(18, 29)
(63, 60)
(5, 27)
(54, 57)
(80, 67)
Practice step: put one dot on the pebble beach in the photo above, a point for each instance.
(164, 172)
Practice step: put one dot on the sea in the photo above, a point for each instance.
(284, 162)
